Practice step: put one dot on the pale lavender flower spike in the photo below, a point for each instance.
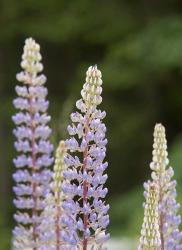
(169, 220)
(50, 227)
(32, 176)
(86, 213)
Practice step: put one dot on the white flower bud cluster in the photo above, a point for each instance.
(91, 92)
(31, 64)
(161, 174)
(160, 154)
(59, 166)
(150, 235)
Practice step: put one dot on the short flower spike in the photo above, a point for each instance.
(51, 228)
(150, 236)
(169, 220)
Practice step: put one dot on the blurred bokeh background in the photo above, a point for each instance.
(137, 44)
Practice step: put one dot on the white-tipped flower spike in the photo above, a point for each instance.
(150, 235)
(168, 207)
(50, 228)
(85, 212)
(59, 167)
(33, 175)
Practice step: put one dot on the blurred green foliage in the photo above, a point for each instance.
(138, 46)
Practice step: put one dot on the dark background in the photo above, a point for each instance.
(137, 44)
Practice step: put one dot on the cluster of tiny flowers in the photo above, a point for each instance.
(150, 236)
(50, 228)
(32, 176)
(85, 211)
(162, 174)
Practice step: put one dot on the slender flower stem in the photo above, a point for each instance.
(33, 183)
(57, 223)
(85, 189)
(34, 186)
(161, 231)
(85, 216)
(161, 217)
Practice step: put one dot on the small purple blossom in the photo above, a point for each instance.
(32, 133)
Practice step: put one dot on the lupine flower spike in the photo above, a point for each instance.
(34, 149)
(86, 220)
(162, 173)
(150, 236)
(50, 228)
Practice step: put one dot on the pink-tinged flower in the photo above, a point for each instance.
(32, 133)
(85, 211)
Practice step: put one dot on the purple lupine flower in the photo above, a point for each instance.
(169, 220)
(85, 211)
(32, 133)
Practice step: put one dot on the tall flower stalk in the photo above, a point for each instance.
(150, 235)
(85, 217)
(50, 228)
(32, 176)
(162, 173)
